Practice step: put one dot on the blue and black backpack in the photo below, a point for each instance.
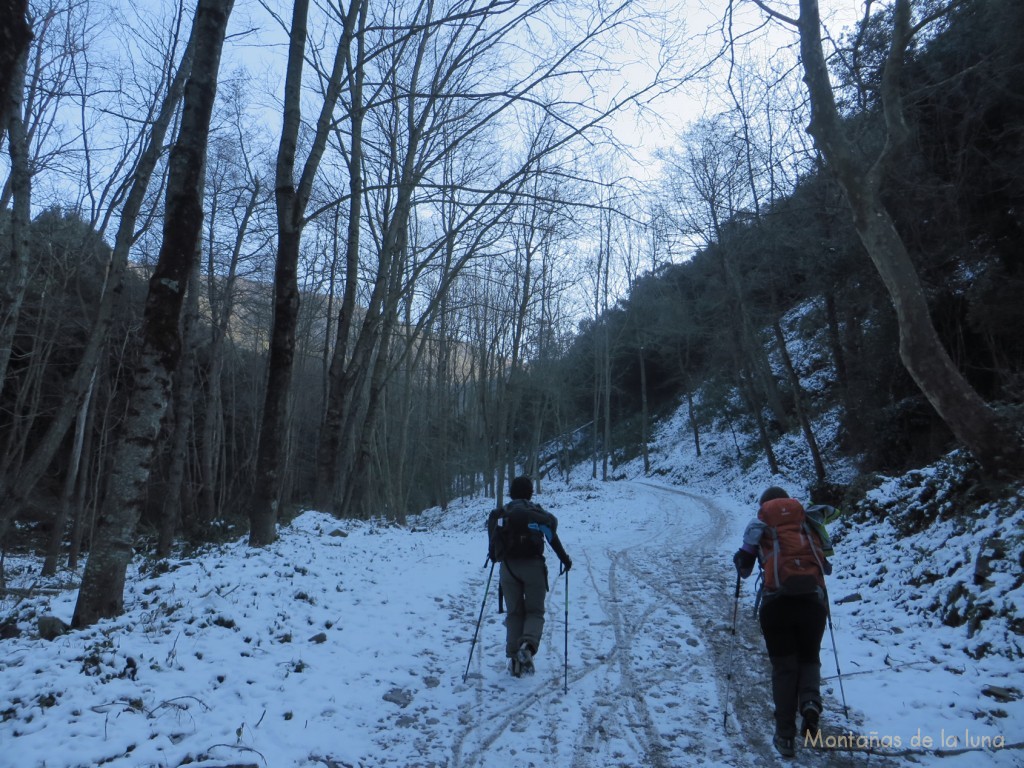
(514, 532)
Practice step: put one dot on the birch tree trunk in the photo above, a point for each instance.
(182, 412)
(102, 592)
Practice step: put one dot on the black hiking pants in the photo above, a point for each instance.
(793, 626)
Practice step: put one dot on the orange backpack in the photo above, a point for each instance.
(791, 551)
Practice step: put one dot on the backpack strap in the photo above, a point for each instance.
(758, 589)
(811, 536)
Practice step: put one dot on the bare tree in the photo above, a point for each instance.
(768, 177)
(15, 36)
(239, 203)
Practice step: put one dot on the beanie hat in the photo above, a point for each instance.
(773, 493)
(521, 488)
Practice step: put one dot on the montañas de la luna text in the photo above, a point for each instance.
(876, 740)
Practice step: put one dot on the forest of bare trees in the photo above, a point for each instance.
(371, 257)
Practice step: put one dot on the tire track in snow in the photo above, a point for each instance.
(642, 695)
(631, 695)
(617, 705)
(484, 725)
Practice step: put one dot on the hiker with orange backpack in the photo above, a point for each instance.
(792, 547)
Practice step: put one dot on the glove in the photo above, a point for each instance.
(744, 562)
(566, 565)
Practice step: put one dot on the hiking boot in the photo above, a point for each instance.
(515, 667)
(524, 656)
(811, 714)
(785, 745)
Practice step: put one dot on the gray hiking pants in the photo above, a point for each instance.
(524, 584)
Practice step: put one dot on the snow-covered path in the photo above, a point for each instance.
(640, 688)
(652, 659)
(344, 645)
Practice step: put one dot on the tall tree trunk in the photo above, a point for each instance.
(606, 354)
(102, 592)
(84, 483)
(358, 500)
(184, 394)
(212, 433)
(71, 483)
(263, 513)
(330, 439)
(989, 439)
(595, 415)
(328, 457)
(798, 397)
(643, 411)
(291, 202)
(693, 422)
(15, 37)
(354, 391)
(443, 402)
(14, 274)
(272, 440)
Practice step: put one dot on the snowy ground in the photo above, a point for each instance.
(350, 650)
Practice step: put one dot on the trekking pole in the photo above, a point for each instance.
(732, 652)
(565, 682)
(835, 652)
(475, 633)
(758, 589)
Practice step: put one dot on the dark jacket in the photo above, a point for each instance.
(539, 520)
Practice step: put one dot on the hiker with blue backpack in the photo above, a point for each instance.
(792, 547)
(517, 533)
